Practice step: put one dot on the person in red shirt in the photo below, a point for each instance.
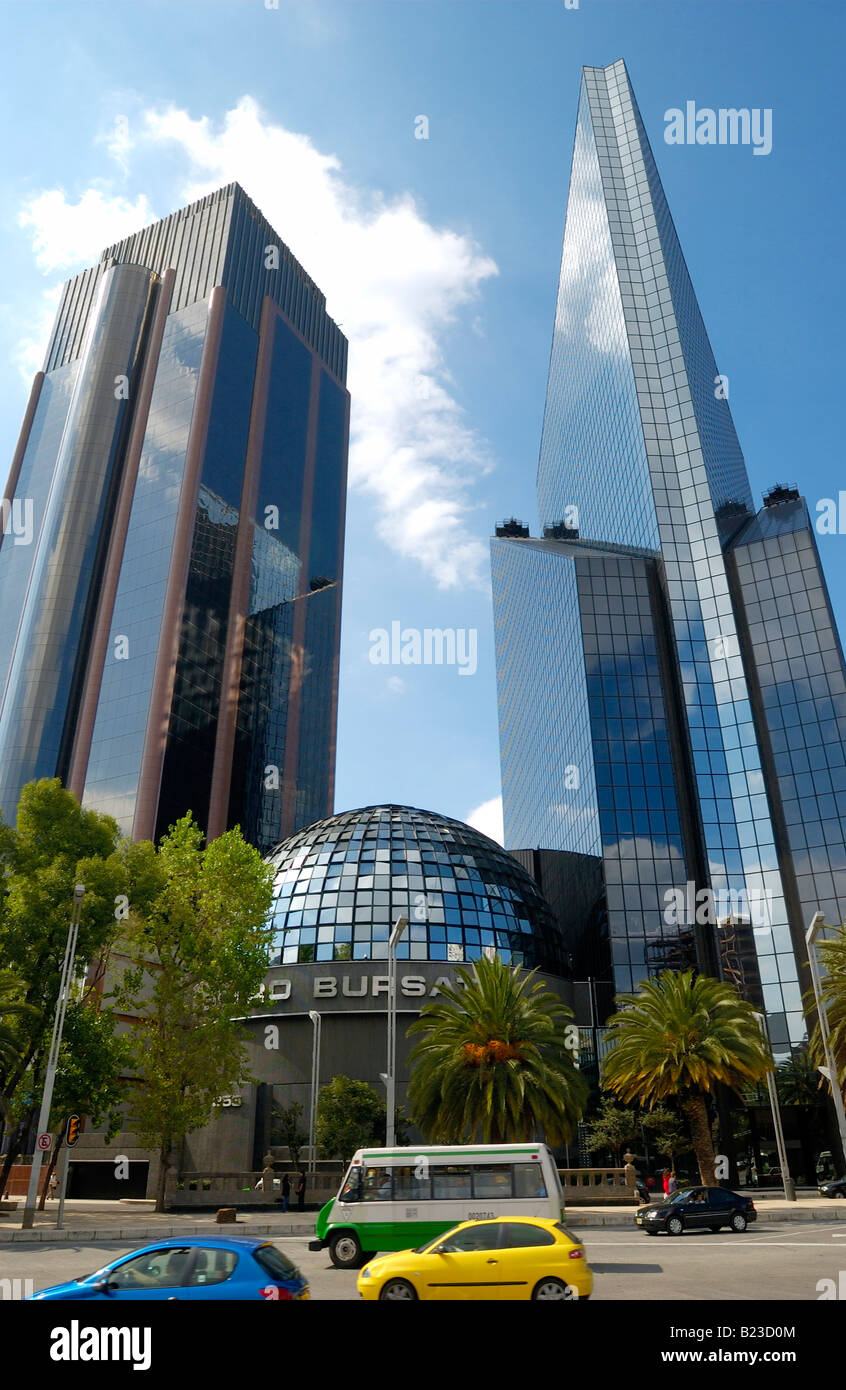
(666, 1182)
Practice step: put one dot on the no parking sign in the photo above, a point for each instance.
(45, 1141)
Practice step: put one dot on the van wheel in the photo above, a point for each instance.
(345, 1250)
(738, 1221)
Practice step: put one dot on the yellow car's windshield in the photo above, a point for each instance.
(433, 1244)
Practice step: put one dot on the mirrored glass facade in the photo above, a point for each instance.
(686, 767)
(175, 646)
(341, 884)
(797, 683)
(54, 627)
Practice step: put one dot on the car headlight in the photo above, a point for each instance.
(652, 1216)
(365, 1273)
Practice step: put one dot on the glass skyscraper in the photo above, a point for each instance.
(169, 637)
(672, 692)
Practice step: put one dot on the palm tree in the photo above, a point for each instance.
(495, 1061)
(832, 954)
(798, 1082)
(681, 1036)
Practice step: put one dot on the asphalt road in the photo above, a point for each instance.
(775, 1263)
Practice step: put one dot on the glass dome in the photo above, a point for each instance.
(341, 883)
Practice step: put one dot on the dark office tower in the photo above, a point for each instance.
(169, 636)
(671, 684)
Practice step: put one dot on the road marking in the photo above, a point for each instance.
(725, 1244)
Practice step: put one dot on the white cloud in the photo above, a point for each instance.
(28, 355)
(118, 142)
(488, 819)
(69, 236)
(396, 685)
(394, 281)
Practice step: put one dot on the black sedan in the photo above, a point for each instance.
(697, 1209)
(833, 1187)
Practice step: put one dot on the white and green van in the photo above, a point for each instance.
(397, 1199)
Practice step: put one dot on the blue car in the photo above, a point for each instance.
(194, 1267)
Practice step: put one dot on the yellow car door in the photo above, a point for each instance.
(528, 1254)
(465, 1265)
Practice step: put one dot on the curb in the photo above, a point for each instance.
(622, 1221)
(147, 1233)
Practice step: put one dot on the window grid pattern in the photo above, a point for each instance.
(592, 450)
(642, 843)
(738, 832)
(637, 437)
(341, 884)
(548, 789)
(799, 669)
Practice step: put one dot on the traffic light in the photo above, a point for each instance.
(74, 1127)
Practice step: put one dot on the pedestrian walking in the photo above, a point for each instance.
(301, 1191)
(286, 1192)
(672, 1185)
(665, 1182)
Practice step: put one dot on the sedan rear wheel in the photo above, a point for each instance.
(553, 1290)
(397, 1291)
(738, 1221)
(675, 1226)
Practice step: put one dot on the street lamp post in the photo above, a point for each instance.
(817, 923)
(391, 1079)
(53, 1056)
(789, 1189)
(315, 1081)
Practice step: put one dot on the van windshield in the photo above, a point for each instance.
(351, 1186)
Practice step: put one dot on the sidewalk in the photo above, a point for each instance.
(136, 1222)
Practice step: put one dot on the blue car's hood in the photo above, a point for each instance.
(68, 1290)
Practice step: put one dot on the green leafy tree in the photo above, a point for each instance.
(681, 1035)
(12, 1005)
(613, 1128)
(349, 1115)
(495, 1060)
(54, 845)
(199, 956)
(669, 1131)
(94, 1061)
(289, 1119)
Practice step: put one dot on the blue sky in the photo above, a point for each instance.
(440, 257)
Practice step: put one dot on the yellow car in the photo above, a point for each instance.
(517, 1257)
